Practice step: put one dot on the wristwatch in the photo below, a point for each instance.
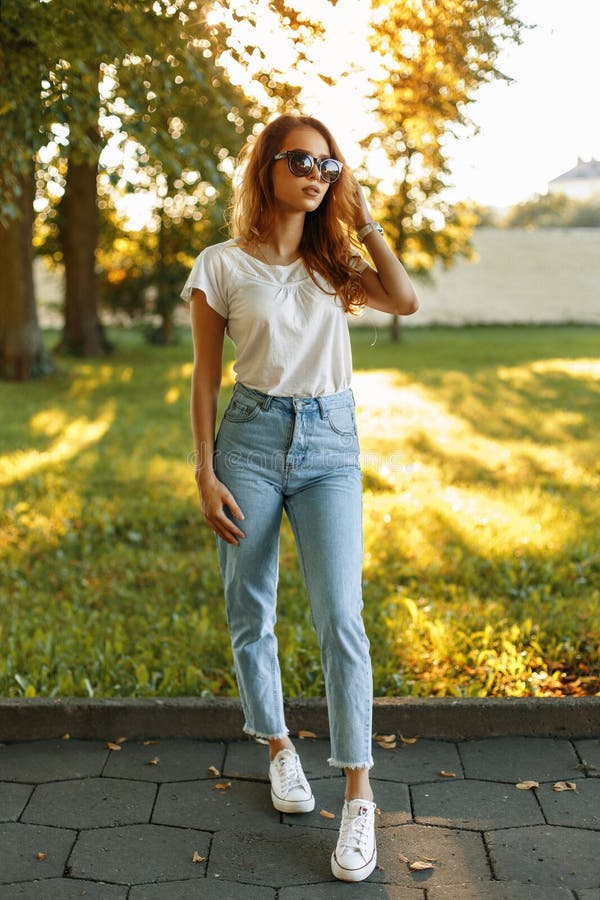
(367, 229)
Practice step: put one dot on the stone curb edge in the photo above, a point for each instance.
(23, 719)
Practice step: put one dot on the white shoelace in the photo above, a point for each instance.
(354, 832)
(290, 773)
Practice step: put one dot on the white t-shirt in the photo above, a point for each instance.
(291, 337)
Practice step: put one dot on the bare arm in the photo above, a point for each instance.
(208, 332)
(387, 286)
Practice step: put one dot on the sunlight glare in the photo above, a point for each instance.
(75, 436)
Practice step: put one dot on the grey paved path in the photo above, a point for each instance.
(152, 821)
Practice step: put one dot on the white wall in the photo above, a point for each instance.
(548, 275)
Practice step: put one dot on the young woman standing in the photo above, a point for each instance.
(281, 288)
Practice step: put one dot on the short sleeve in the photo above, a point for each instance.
(208, 275)
(358, 262)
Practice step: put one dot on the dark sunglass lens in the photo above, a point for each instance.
(330, 170)
(300, 163)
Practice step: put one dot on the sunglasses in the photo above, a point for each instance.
(301, 164)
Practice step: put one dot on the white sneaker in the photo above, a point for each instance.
(290, 791)
(355, 855)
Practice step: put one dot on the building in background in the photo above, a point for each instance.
(580, 183)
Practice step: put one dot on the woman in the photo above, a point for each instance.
(281, 288)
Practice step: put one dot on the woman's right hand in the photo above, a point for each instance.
(215, 497)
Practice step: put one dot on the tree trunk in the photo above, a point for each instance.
(164, 301)
(22, 351)
(395, 329)
(83, 334)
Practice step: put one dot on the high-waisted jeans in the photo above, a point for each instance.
(301, 456)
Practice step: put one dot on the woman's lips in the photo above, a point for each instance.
(311, 191)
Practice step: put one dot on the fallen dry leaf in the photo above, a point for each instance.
(447, 774)
(419, 865)
(326, 814)
(384, 738)
(564, 786)
(40, 855)
(409, 740)
(306, 734)
(214, 771)
(112, 746)
(527, 785)
(153, 761)
(385, 745)
(66, 737)
(197, 858)
(120, 740)
(147, 743)
(377, 811)
(223, 785)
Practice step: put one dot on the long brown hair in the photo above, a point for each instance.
(326, 246)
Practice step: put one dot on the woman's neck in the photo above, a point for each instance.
(281, 246)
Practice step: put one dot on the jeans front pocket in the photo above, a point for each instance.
(241, 409)
(341, 420)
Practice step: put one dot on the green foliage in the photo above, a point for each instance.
(482, 561)
(25, 45)
(554, 211)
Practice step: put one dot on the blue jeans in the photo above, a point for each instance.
(301, 456)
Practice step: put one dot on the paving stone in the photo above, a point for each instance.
(13, 798)
(514, 759)
(199, 804)
(63, 889)
(458, 856)
(589, 750)
(204, 889)
(594, 894)
(421, 761)
(392, 799)
(285, 857)
(249, 759)
(91, 803)
(38, 761)
(366, 890)
(20, 844)
(499, 890)
(579, 808)
(546, 854)
(179, 759)
(477, 805)
(134, 854)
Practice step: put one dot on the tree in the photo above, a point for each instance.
(22, 56)
(432, 55)
(144, 58)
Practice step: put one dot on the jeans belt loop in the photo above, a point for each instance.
(321, 408)
(266, 401)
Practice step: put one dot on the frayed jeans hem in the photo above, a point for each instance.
(265, 737)
(345, 765)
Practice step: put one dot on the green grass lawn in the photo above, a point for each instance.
(481, 461)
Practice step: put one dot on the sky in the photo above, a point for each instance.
(535, 128)
(530, 130)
